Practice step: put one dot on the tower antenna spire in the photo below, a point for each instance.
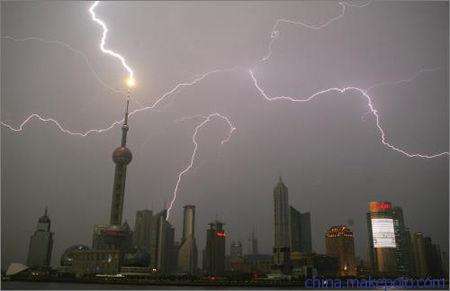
(126, 111)
(125, 125)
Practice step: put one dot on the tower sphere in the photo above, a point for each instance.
(122, 155)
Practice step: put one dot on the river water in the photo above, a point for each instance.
(19, 285)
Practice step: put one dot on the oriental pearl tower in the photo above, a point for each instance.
(115, 235)
(122, 157)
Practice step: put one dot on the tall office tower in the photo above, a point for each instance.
(339, 242)
(161, 250)
(427, 257)
(382, 244)
(300, 231)
(305, 234)
(281, 248)
(445, 263)
(116, 236)
(214, 253)
(434, 259)
(419, 252)
(154, 238)
(187, 252)
(253, 244)
(402, 252)
(41, 244)
(143, 225)
(236, 249)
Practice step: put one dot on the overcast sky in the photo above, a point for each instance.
(328, 150)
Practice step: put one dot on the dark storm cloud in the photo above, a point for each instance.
(328, 151)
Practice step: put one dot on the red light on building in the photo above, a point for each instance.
(220, 233)
(376, 206)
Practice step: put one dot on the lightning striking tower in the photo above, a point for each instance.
(122, 157)
(130, 81)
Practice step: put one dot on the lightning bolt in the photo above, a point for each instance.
(183, 172)
(275, 31)
(365, 95)
(415, 76)
(117, 122)
(103, 40)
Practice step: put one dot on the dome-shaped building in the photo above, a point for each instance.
(67, 256)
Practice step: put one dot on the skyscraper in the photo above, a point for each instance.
(427, 257)
(253, 244)
(281, 248)
(162, 245)
(214, 253)
(115, 235)
(300, 231)
(420, 257)
(382, 243)
(445, 264)
(339, 243)
(41, 244)
(143, 229)
(402, 252)
(187, 253)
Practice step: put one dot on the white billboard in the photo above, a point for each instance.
(383, 233)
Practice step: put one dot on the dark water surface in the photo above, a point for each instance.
(21, 285)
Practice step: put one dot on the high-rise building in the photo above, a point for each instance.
(116, 235)
(143, 229)
(382, 243)
(187, 252)
(305, 233)
(339, 243)
(420, 257)
(162, 247)
(154, 232)
(236, 249)
(300, 231)
(214, 253)
(41, 244)
(281, 248)
(445, 264)
(253, 244)
(427, 257)
(434, 259)
(403, 256)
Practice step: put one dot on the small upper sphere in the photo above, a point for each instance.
(122, 155)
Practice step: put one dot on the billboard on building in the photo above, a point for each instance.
(383, 233)
(380, 206)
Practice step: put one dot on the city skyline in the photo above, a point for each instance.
(327, 151)
(400, 251)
